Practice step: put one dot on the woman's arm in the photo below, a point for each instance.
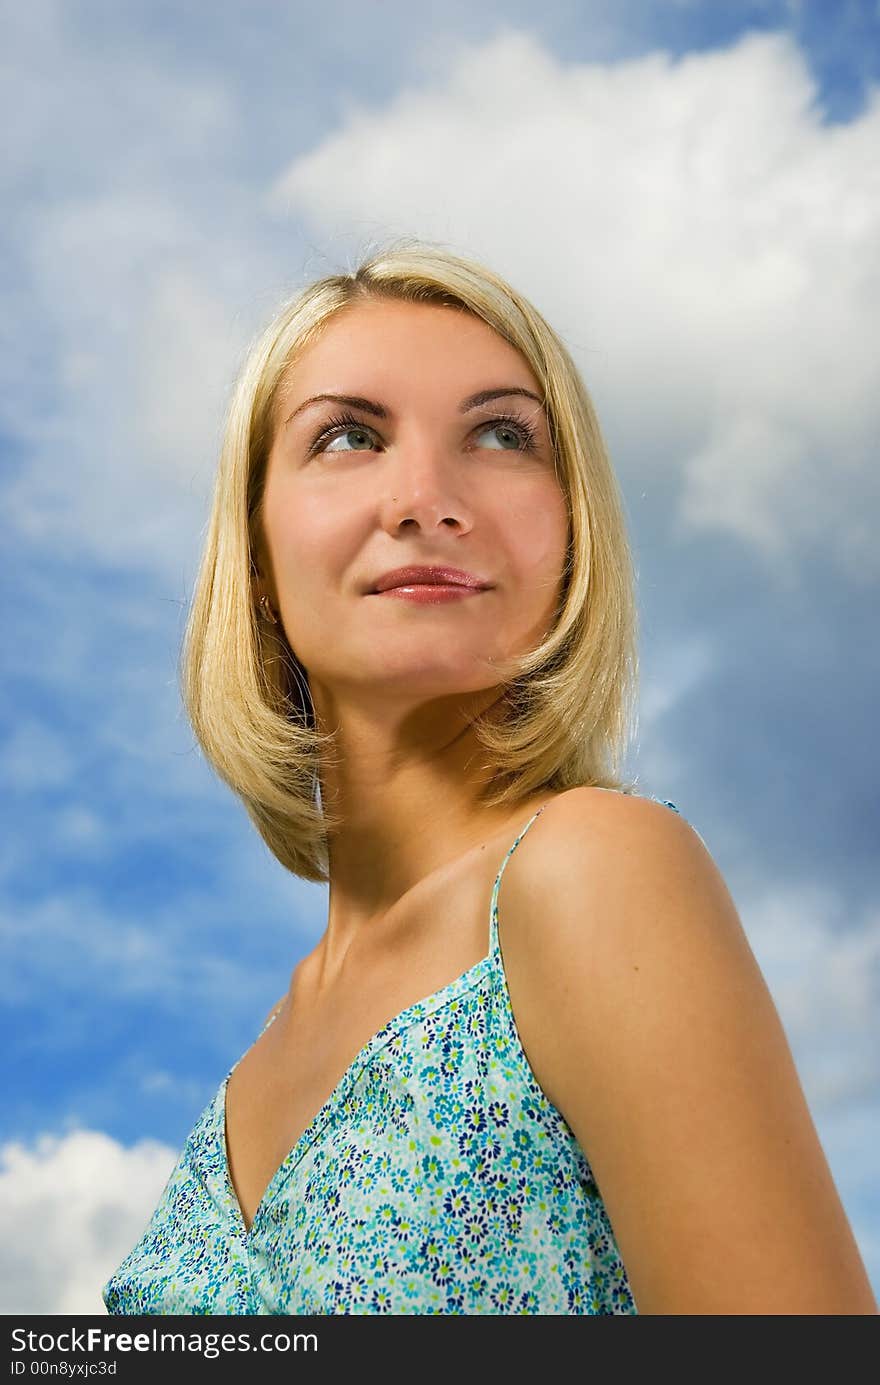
(648, 1023)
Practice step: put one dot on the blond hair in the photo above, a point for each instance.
(568, 706)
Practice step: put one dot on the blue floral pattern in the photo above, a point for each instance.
(436, 1178)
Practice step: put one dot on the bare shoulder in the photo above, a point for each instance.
(648, 1023)
(600, 868)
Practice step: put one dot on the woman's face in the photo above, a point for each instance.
(416, 473)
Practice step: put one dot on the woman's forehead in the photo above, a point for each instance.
(368, 346)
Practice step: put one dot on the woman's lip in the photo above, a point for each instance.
(431, 593)
(435, 575)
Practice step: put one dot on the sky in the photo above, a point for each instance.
(690, 193)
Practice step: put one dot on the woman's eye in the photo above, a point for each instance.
(515, 436)
(357, 432)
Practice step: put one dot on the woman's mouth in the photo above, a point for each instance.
(431, 595)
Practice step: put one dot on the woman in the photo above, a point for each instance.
(574, 1096)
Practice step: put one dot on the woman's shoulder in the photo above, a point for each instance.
(600, 874)
(593, 798)
(609, 823)
(605, 875)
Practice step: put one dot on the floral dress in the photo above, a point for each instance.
(436, 1178)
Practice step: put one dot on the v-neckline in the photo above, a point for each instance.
(386, 1033)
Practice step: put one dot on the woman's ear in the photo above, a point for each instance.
(263, 595)
(262, 583)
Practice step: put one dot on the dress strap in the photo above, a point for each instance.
(272, 1018)
(493, 908)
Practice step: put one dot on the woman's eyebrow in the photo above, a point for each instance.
(369, 406)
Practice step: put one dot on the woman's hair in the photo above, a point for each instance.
(566, 712)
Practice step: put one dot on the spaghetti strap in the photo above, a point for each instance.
(493, 907)
(274, 1015)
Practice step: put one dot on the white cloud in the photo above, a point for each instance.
(70, 935)
(80, 829)
(121, 471)
(64, 935)
(739, 479)
(71, 1208)
(119, 340)
(34, 757)
(680, 669)
(823, 968)
(186, 950)
(169, 1085)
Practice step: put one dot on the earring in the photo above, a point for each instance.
(266, 609)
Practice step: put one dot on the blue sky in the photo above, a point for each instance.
(689, 193)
